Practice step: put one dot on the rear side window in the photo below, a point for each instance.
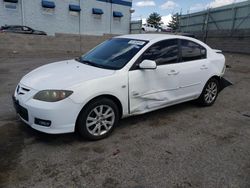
(191, 51)
(164, 52)
(26, 29)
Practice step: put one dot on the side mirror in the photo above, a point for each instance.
(147, 64)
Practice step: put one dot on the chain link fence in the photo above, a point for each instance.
(226, 27)
(136, 27)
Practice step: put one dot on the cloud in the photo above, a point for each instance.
(144, 20)
(212, 4)
(166, 19)
(197, 7)
(145, 3)
(218, 3)
(169, 5)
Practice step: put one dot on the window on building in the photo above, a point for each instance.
(11, 1)
(48, 4)
(97, 13)
(10, 6)
(74, 10)
(48, 7)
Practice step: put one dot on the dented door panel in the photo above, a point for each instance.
(149, 89)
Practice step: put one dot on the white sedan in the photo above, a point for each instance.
(123, 76)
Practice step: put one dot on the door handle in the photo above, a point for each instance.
(173, 72)
(203, 67)
(135, 93)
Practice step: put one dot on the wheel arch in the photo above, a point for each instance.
(218, 78)
(108, 96)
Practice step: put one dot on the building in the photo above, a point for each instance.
(93, 17)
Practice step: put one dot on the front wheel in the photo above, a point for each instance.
(98, 119)
(209, 93)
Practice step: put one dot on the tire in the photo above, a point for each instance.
(209, 93)
(98, 119)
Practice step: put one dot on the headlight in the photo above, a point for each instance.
(52, 95)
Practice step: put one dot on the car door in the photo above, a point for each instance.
(153, 29)
(148, 27)
(154, 88)
(194, 69)
(15, 29)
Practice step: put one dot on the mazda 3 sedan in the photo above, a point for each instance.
(124, 76)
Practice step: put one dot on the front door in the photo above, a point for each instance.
(151, 89)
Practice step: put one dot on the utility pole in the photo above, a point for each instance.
(131, 11)
(22, 11)
(80, 35)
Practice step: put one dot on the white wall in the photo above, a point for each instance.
(9, 16)
(61, 21)
(95, 24)
(120, 25)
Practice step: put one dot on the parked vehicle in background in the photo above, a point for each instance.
(20, 29)
(166, 29)
(124, 76)
(150, 28)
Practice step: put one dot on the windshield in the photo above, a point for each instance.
(114, 53)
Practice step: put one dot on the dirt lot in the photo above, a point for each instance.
(181, 146)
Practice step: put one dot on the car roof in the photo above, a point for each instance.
(13, 26)
(159, 37)
(151, 37)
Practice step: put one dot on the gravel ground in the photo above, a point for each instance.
(180, 146)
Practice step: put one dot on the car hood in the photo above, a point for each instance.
(61, 75)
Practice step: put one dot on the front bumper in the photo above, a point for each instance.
(61, 114)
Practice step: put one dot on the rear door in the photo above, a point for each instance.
(194, 69)
(15, 29)
(151, 89)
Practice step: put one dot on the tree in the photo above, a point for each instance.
(174, 23)
(154, 19)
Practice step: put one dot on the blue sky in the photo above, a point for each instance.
(167, 7)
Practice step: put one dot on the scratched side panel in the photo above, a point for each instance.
(149, 89)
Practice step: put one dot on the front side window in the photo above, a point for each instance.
(114, 53)
(191, 51)
(164, 52)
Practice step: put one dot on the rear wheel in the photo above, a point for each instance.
(98, 119)
(209, 93)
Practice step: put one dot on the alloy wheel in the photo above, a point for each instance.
(211, 92)
(100, 120)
